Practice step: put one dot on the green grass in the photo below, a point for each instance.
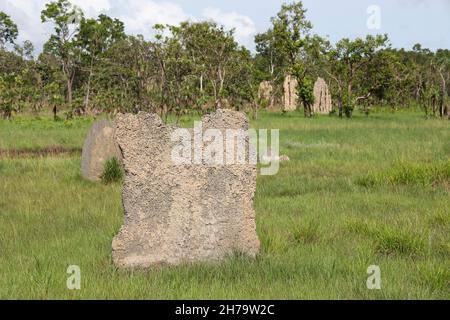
(402, 173)
(32, 133)
(112, 172)
(360, 192)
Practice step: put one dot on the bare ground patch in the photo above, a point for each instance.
(49, 151)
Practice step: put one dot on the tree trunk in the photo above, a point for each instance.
(255, 110)
(69, 91)
(444, 98)
(88, 89)
(307, 109)
(340, 106)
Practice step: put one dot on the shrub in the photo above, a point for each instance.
(112, 171)
(348, 110)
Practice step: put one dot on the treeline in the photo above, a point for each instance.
(90, 65)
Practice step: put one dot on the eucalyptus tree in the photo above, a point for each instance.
(242, 88)
(286, 46)
(442, 67)
(95, 37)
(269, 61)
(349, 60)
(8, 30)
(219, 47)
(206, 57)
(16, 72)
(63, 43)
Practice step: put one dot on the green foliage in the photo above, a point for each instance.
(287, 47)
(306, 91)
(8, 30)
(348, 107)
(89, 66)
(290, 29)
(348, 64)
(62, 43)
(112, 171)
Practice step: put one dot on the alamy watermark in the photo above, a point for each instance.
(374, 19)
(74, 279)
(374, 279)
(220, 147)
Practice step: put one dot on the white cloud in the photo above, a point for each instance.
(139, 16)
(27, 16)
(244, 26)
(93, 8)
(424, 3)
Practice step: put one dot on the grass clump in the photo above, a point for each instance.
(392, 241)
(389, 240)
(409, 173)
(306, 233)
(273, 242)
(112, 172)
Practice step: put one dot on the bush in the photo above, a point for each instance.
(112, 171)
(348, 110)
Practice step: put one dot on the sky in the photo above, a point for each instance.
(406, 21)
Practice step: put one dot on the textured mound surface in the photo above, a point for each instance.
(99, 147)
(181, 213)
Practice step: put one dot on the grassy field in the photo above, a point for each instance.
(367, 191)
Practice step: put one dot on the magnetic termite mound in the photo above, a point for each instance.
(181, 213)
